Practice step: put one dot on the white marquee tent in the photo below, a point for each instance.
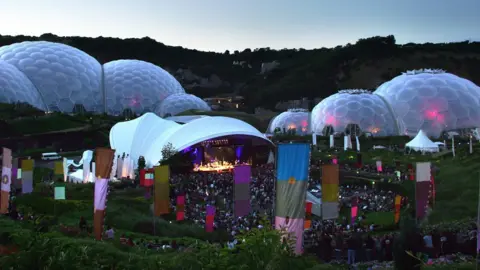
(147, 135)
(422, 143)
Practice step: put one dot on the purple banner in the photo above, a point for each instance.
(242, 208)
(100, 195)
(242, 174)
(210, 210)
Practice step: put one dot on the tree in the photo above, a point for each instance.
(168, 151)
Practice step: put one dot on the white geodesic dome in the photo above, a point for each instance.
(136, 85)
(294, 119)
(63, 75)
(16, 87)
(178, 103)
(354, 107)
(433, 101)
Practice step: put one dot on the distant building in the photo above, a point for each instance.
(226, 102)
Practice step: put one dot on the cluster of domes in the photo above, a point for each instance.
(430, 100)
(57, 77)
(293, 119)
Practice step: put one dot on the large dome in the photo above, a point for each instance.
(178, 103)
(296, 119)
(136, 85)
(354, 107)
(16, 87)
(63, 75)
(433, 101)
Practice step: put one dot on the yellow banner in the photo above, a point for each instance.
(330, 193)
(58, 168)
(162, 174)
(27, 165)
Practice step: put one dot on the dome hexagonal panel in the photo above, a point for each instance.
(16, 87)
(293, 119)
(354, 107)
(136, 85)
(433, 101)
(178, 103)
(63, 75)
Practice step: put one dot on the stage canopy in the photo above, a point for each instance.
(147, 135)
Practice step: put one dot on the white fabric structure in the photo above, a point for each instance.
(422, 143)
(183, 119)
(147, 135)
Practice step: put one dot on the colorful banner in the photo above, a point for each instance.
(210, 217)
(330, 182)
(242, 175)
(180, 207)
(16, 182)
(293, 162)
(397, 207)
(422, 188)
(60, 193)
(379, 166)
(162, 190)
(58, 171)
(103, 168)
(332, 141)
(308, 215)
(354, 209)
(6, 180)
(27, 175)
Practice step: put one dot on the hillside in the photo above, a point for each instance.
(301, 73)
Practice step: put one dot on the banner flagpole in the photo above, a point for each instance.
(478, 223)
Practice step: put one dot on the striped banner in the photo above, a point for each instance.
(162, 190)
(293, 162)
(397, 207)
(379, 166)
(308, 215)
(180, 207)
(58, 171)
(422, 188)
(27, 175)
(6, 180)
(330, 182)
(210, 217)
(242, 175)
(103, 170)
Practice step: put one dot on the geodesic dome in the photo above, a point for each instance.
(178, 103)
(16, 87)
(136, 85)
(354, 107)
(294, 119)
(63, 75)
(433, 101)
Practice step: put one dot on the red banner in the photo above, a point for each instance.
(180, 207)
(308, 215)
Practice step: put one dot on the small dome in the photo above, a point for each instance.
(178, 103)
(294, 119)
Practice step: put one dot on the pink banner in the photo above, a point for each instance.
(379, 166)
(101, 187)
(335, 161)
(294, 230)
(7, 158)
(6, 178)
(180, 199)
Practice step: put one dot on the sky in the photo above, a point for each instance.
(219, 25)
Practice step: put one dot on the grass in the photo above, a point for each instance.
(47, 123)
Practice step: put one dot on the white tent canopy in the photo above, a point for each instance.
(422, 143)
(147, 135)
